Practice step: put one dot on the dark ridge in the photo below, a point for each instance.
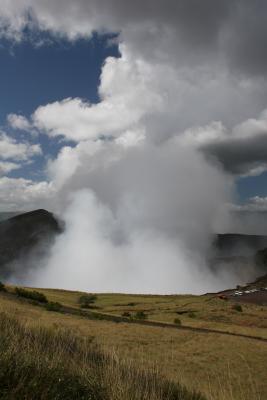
(234, 244)
(23, 234)
(235, 253)
(261, 261)
(9, 214)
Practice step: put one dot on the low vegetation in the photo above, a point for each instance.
(41, 363)
(140, 315)
(53, 306)
(192, 315)
(87, 300)
(31, 294)
(126, 314)
(237, 307)
(220, 366)
(2, 287)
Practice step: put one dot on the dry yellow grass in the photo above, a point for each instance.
(209, 311)
(222, 367)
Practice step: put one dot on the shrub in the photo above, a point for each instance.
(53, 306)
(86, 300)
(237, 307)
(2, 287)
(192, 315)
(31, 294)
(85, 305)
(126, 314)
(177, 321)
(140, 315)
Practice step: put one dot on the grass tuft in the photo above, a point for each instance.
(41, 363)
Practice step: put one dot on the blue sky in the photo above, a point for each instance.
(252, 186)
(32, 75)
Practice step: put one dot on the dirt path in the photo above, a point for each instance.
(116, 318)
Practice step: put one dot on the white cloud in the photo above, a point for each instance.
(254, 204)
(19, 122)
(11, 149)
(6, 167)
(249, 217)
(23, 194)
(241, 150)
(127, 95)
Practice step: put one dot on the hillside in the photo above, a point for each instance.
(29, 234)
(6, 215)
(199, 359)
(23, 234)
(238, 245)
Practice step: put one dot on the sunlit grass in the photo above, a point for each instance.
(230, 367)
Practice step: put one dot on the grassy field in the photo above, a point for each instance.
(221, 367)
(206, 311)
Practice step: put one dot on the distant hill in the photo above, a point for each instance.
(236, 254)
(238, 245)
(22, 235)
(9, 214)
(24, 238)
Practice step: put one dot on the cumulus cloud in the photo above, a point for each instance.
(18, 122)
(22, 194)
(232, 30)
(254, 204)
(11, 149)
(126, 93)
(14, 154)
(241, 151)
(6, 167)
(63, 16)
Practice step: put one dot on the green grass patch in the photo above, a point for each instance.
(140, 315)
(237, 307)
(53, 306)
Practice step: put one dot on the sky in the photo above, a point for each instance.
(32, 75)
(42, 69)
(143, 125)
(45, 60)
